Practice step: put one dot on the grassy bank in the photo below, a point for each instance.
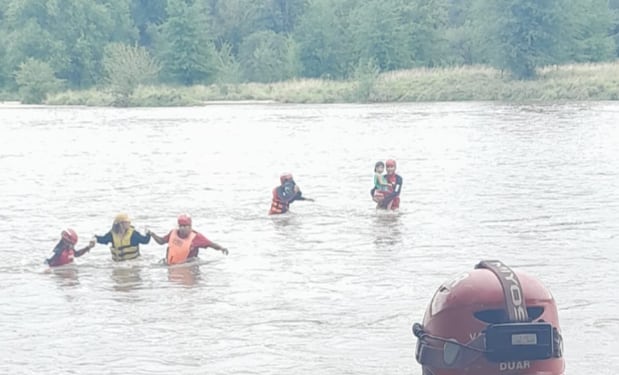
(566, 82)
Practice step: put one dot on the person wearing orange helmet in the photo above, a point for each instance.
(184, 243)
(490, 321)
(64, 251)
(124, 238)
(284, 194)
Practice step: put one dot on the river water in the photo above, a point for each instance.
(331, 288)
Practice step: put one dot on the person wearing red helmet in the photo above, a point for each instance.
(184, 243)
(125, 239)
(284, 194)
(490, 321)
(389, 200)
(64, 251)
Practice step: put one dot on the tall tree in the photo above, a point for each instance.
(592, 23)
(35, 79)
(233, 20)
(467, 33)
(425, 22)
(614, 8)
(147, 15)
(68, 34)
(399, 33)
(323, 37)
(268, 57)
(4, 73)
(527, 34)
(228, 69)
(282, 15)
(126, 68)
(184, 44)
(28, 35)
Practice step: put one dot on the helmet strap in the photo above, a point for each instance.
(512, 289)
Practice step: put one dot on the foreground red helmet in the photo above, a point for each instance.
(69, 235)
(490, 321)
(285, 177)
(390, 163)
(184, 220)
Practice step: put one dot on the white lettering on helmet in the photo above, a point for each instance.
(514, 365)
(514, 291)
(474, 335)
(517, 300)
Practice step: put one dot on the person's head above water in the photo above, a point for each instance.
(121, 223)
(121, 218)
(69, 236)
(285, 177)
(390, 165)
(184, 225)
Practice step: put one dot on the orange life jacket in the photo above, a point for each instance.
(277, 206)
(178, 248)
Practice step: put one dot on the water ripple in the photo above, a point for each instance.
(332, 287)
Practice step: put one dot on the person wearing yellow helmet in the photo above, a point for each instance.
(124, 238)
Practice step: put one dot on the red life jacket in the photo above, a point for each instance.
(65, 257)
(277, 205)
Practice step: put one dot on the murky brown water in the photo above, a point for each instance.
(332, 288)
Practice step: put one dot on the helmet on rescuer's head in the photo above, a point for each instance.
(184, 219)
(285, 177)
(69, 235)
(490, 321)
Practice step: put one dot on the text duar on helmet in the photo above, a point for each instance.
(488, 321)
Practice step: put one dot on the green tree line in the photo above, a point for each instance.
(48, 45)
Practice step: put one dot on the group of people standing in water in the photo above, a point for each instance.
(183, 243)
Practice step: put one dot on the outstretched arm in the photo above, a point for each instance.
(216, 246)
(201, 242)
(159, 240)
(105, 239)
(137, 237)
(298, 196)
(80, 252)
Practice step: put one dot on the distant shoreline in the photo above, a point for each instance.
(583, 82)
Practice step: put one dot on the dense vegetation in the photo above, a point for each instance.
(119, 47)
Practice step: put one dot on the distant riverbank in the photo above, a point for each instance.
(566, 82)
